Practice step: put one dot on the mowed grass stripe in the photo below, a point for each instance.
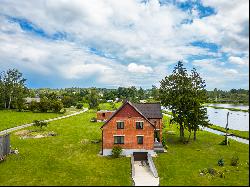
(63, 160)
(181, 165)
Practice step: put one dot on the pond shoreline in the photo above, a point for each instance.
(231, 109)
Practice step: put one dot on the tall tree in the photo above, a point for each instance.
(155, 93)
(12, 87)
(93, 99)
(183, 94)
(141, 94)
(198, 113)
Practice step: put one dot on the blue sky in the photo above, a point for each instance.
(114, 43)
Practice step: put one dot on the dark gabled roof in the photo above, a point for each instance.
(127, 102)
(149, 110)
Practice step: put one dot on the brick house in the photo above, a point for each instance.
(136, 127)
(103, 115)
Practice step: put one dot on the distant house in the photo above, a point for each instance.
(103, 115)
(136, 127)
(30, 99)
(110, 101)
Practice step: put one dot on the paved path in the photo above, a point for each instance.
(48, 120)
(143, 176)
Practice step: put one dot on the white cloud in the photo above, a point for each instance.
(217, 75)
(238, 60)
(145, 36)
(135, 68)
(230, 71)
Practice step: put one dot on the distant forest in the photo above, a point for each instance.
(236, 96)
(14, 95)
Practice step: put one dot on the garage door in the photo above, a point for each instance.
(140, 156)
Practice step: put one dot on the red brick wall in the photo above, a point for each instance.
(130, 131)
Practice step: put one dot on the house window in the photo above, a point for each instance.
(139, 125)
(118, 139)
(140, 139)
(103, 114)
(120, 124)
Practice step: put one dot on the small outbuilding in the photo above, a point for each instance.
(103, 115)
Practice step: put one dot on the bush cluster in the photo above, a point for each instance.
(40, 124)
(46, 105)
(79, 105)
(116, 151)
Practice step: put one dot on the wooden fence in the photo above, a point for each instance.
(4, 145)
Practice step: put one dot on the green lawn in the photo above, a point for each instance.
(11, 118)
(63, 159)
(66, 160)
(181, 164)
(108, 106)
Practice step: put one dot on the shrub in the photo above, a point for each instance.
(40, 124)
(235, 160)
(79, 105)
(68, 101)
(116, 151)
(56, 106)
(63, 110)
(44, 105)
(163, 139)
(33, 106)
(221, 162)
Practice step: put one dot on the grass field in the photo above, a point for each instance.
(181, 165)
(71, 159)
(63, 159)
(108, 106)
(12, 118)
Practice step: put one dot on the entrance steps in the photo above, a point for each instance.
(158, 147)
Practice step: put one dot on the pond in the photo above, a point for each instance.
(237, 120)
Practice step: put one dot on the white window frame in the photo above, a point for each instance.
(119, 143)
(120, 121)
(139, 121)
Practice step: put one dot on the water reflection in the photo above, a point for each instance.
(237, 120)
